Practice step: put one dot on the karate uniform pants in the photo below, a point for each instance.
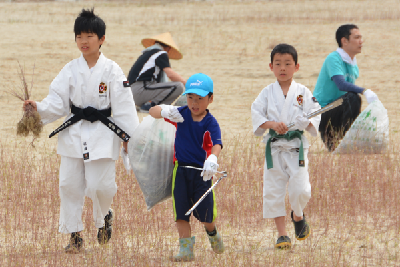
(285, 172)
(158, 93)
(94, 179)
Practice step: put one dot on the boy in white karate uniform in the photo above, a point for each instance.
(278, 105)
(87, 90)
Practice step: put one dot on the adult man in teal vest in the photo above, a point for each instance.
(337, 80)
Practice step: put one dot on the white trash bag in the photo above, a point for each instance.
(369, 133)
(151, 152)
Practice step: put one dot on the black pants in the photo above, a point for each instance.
(335, 122)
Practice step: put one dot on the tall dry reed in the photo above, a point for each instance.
(30, 122)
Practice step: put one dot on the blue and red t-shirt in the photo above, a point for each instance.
(194, 139)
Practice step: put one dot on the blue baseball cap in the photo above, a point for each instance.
(199, 84)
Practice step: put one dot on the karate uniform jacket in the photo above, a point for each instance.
(271, 105)
(100, 87)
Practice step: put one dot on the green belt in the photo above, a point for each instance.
(288, 136)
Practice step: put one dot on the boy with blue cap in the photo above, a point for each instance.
(197, 143)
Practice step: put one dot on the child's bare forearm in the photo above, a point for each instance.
(155, 112)
(267, 125)
(279, 127)
(216, 150)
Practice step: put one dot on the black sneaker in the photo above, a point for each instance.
(301, 228)
(75, 244)
(146, 107)
(104, 233)
(283, 242)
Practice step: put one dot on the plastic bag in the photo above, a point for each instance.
(151, 152)
(369, 133)
(181, 101)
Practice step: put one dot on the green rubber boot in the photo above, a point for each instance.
(216, 242)
(185, 250)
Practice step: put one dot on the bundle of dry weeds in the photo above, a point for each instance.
(30, 121)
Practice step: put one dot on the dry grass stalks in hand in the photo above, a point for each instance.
(30, 121)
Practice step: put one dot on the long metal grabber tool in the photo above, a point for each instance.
(330, 106)
(224, 174)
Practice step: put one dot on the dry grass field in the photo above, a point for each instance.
(355, 206)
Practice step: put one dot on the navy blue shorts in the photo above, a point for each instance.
(187, 188)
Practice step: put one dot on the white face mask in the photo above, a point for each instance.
(345, 57)
(154, 46)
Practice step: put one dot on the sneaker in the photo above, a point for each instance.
(104, 233)
(75, 244)
(146, 107)
(301, 228)
(283, 242)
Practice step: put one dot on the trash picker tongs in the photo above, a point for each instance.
(224, 174)
(330, 106)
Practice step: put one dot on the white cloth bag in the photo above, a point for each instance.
(369, 133)
(151, 152)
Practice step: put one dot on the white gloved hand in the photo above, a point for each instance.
(301, 123)
(370, 96)
(171, 113)
(125, 159)
(210, 167)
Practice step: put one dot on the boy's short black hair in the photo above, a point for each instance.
(344, 31)
(88, 22)
(284, 49)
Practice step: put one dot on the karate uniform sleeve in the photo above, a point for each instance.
(56, 104)
(311, 105)
(259, 113)
(122, 103)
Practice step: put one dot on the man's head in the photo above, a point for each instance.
(349, 38)
(199, 90)
(284, 62)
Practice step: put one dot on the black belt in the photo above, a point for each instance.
(91, 114)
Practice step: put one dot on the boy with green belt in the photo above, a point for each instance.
(286, 164)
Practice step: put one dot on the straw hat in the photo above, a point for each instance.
(165, 38)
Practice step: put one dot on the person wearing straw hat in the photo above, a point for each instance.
(149, 75)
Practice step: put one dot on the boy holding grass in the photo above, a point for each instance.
(198, 144)
(86, 90)
(277, 105)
